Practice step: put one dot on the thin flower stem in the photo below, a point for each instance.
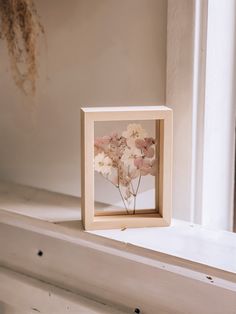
(123, 200)
(118, 174)
(134, 205)
(117, 186)
(139, 180)
(109, 180)
(132, 187)
(136, 193)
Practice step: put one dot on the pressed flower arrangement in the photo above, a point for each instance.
(123, 159)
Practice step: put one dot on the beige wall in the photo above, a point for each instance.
(98, 52)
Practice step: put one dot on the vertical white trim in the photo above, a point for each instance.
(195, 107)
(200, 75)
(217, 201)
(199, 71)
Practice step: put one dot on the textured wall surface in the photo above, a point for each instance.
(105, 52)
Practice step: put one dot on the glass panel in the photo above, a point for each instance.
(125, 166)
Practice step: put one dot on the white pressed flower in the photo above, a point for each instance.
(134, 131)
(102, 163)
(129, 155)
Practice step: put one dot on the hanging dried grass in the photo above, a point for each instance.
(20, 27)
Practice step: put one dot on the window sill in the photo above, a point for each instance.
(192, 242)
(181, 260)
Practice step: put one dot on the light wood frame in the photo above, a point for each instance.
(161, 215)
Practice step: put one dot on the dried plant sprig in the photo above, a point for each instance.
(20, 27)
(123, 159)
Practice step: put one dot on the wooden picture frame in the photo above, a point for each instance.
(161, 214)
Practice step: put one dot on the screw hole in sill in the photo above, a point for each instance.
(40, 253)
(137, 310)
(210, 278)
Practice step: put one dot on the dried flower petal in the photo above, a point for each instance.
(149, 153)
(122, 159)
(134, 131)
(102, 163)
(20, 27)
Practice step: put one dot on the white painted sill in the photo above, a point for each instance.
(180, 261)
(210, 247)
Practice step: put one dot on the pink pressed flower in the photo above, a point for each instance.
(97, 147)
(138, 162)
(106, 139)
(139, 143)
(100, 145)
(98, 141)
(145, 169)
(153, 169)
(149, 153)
(146, 146)
(144, 143)
(133, 132)
(143, 165)
(149, 141)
